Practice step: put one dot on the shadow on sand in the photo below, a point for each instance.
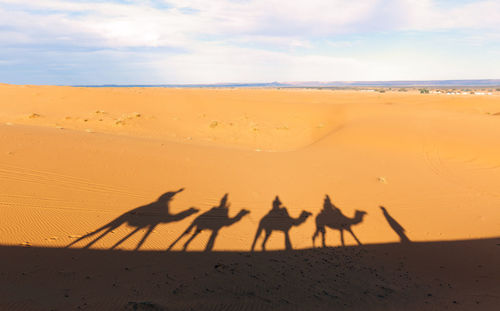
(144, 217)
(458, 275)
(451, 275)
(398, 229)
(213, 220)
(278, 219)
(331, 216)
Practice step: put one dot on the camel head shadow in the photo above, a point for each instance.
(213, 220)
(332, 217)
(144, 217)
(278, 219)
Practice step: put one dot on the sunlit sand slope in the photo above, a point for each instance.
(249, 119)
(73, 160)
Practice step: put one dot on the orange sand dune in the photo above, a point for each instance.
(431, 160)
(74, 160)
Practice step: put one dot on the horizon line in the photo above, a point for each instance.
(306, 84)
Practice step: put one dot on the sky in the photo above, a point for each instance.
(83, 42)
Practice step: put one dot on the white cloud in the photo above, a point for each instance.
(427, 15)
(140, 23)
(236, 40)
(209, 63)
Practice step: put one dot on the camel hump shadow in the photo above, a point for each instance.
(213, 220)
(278, 219)
(332, 217)
(395, 226)
(143, 217)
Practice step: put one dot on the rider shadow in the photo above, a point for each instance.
(144, 217)
(332, 217)
(398, 229)
(278, 219)
(213, 220)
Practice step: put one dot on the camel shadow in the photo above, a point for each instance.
(144, 217)
(213, 220)
(398, 229)
(278, 219)
(331, 217)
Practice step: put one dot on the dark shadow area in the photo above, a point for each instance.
(332, 217)
(144, 217)
(443, 275)
(213, 220)
(398, 229)
(278, 219)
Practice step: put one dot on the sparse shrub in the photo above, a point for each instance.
(381, 91)
(424, 91)
(403, 90)
(498, 90)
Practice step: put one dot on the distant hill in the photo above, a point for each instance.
(332, 84)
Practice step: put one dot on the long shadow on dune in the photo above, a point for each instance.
(398, 229)
(332, 217)
(144, 217)
(213, 220)
(278, 219)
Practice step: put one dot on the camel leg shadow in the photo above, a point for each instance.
(288, 244)
(316, 233)
(191, 239)
(91, 234)
(180, 237)
(211, 241)
(266, 237)
(146, 235)
(354, 236)
(108, 227)
(257, 235)
(125, 238)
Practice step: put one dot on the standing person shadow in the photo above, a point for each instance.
(332, 217)
(144, 217)
(278, 219)
(398, 229)
(213, 220)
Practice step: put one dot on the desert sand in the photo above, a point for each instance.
(74, 161)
